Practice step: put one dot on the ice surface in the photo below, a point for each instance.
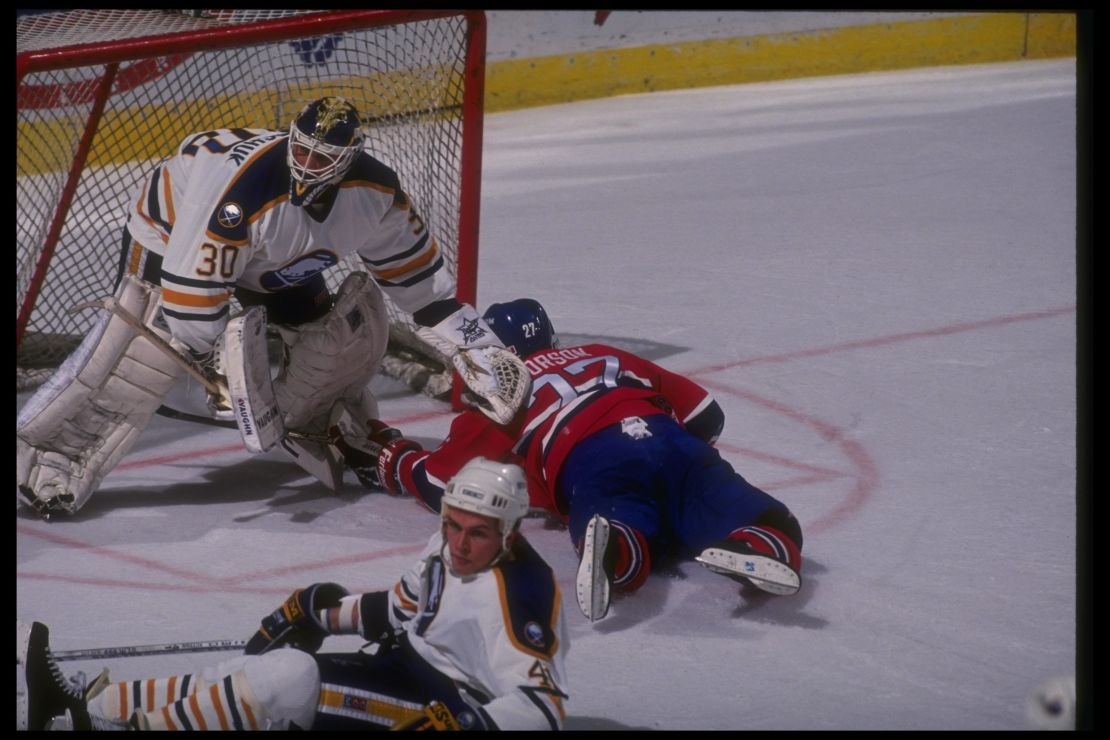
(874, 274)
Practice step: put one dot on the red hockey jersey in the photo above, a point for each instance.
(576, 391)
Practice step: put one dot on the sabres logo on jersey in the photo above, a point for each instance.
(298, 271)
(535, 635)
(229, 215)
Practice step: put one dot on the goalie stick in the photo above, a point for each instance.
(171, 413)
(111, 304)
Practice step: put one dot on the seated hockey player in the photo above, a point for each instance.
(621, 449)
(256, 215)
(472, 637)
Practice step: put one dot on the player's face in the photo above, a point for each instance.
(311, 161)
(472, 539)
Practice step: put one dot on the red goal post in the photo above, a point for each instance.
(102, 96)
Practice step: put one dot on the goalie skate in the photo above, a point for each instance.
(592, 584)
(740, 563)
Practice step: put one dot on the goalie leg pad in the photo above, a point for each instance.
(333, 358)
(78, 426)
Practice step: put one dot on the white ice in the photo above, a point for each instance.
(874, 274)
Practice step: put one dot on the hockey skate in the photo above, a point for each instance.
(594, 580)
(45, 699)
(741, 562)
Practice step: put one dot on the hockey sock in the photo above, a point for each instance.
(627, 559)
(183, 703)
(123, 698)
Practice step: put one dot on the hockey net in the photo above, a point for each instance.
(104, 95)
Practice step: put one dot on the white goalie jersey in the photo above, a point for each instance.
(500, 633)
(219, 215)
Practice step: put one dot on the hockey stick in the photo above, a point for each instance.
(111, 304)
(319, 465)
(172, 413)
(136, 651)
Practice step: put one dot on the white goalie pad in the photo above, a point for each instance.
(246, 363)
(76, 428)
(332, 360)
(497, 378)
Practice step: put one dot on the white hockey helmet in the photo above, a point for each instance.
(326, 137)
(491, 489)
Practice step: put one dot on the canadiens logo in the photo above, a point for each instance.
(534, 634)
(635, 427)
(230, 215)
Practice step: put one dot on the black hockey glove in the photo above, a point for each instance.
(295, 623)
(435, 717)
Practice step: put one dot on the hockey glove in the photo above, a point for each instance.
(497, 378)
(295, 623)
(435, 717)
(388, 460)
(374, 459)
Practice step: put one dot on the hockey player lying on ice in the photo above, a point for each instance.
(620, 449)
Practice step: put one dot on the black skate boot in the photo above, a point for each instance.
(47, 698)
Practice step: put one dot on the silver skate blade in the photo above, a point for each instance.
(591, 583)
(22, 641)
(765, 573)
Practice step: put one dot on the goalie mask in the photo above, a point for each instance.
(492, 489)
(522, 326)
(324, 140)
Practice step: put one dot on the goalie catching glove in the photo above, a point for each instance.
(295, 623)
(498, 381)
